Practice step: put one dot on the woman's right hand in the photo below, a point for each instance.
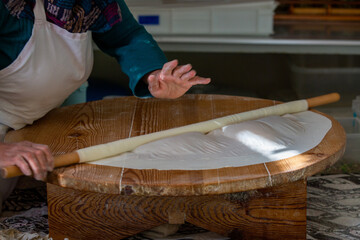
(32, 159)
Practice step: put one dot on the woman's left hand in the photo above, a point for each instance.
(173, 81)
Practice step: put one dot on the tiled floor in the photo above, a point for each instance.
(333, 210)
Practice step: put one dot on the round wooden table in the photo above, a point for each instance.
(262, 201)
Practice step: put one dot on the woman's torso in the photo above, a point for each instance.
(52, 64)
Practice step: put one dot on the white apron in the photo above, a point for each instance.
(52, 65)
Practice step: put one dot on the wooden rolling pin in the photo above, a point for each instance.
(117, 147)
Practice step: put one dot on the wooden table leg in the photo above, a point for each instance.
(271, 213)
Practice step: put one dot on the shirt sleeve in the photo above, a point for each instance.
(14, 34)
(134, 48)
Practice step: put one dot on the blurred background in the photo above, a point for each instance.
(282, 50)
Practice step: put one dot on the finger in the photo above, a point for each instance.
(24, 143)
(179, 71)
(23, 165)
(199, 80)
(46, 156)
(189, 75)
(40, 156)
(168, 68)
(36, 152)
(34, 164)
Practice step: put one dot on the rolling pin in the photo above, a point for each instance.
(124, 145)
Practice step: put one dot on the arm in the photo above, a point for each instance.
(14, 34)
(32, 159)
(143, 61)
(134, 49)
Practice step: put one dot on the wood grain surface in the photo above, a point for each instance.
(78, 126)
(271, 213)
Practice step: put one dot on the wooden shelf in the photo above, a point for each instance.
(320, 10)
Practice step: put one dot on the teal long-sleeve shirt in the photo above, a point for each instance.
(127, 41)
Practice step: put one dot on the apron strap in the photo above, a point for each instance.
(39, 11)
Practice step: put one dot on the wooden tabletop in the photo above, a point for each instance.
(70, 128)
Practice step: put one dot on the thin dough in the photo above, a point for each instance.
(252, 142)
(114, 148)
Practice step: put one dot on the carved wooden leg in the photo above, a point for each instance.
(86, 215)
(271, 213)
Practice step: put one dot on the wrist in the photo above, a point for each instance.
(145, 78)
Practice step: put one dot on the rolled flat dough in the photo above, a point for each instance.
(124, 145)
(251, 142)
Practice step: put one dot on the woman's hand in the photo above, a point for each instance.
(32, 159)
(173, 81)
